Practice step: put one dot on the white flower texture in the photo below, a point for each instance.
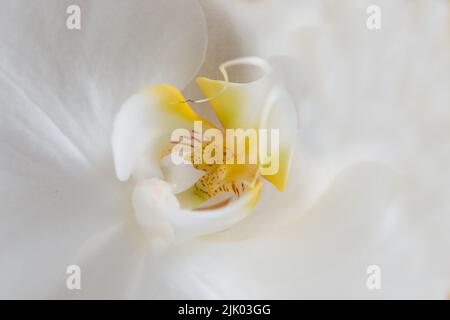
(369, 183)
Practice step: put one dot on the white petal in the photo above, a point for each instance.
(59, 91)
(191, 224)
(359, 101)
(290, 259)
(151, 200)
(77, 80)
(109, 263)
(47, 215)
(158, 212)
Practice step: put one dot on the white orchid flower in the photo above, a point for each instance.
(87, 178)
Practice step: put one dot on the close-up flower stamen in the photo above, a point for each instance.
(217, 168)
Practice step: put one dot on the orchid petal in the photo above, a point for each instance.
(109, 263)
(151, 200)
(298, 256)
(59, 91)
(190, 224)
